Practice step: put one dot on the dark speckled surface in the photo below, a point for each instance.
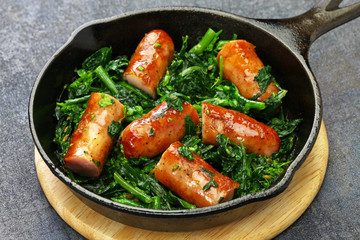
(31, 32)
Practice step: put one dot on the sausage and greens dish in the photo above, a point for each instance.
(170, 129)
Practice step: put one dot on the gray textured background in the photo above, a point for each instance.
(31, 31)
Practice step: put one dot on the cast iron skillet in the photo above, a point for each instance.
(282, 43)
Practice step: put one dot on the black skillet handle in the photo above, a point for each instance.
(301, 31)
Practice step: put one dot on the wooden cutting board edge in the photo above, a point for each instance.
(267, 219)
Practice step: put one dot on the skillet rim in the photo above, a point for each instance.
(279, 187)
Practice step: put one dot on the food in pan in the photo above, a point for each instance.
(242, 66)
(194, 180)
(150, 60)
(238, 127)
(175, 129)
(91, 143)
(153, 133)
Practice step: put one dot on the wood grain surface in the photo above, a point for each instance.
(264, 220)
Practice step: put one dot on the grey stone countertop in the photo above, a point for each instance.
(32, 31)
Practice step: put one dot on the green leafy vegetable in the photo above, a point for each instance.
(271, 105)
(227, 95)
(185, 152)
(264, 78)
(282, 127)
(135, 90)
(141, 195)
(82, 86)
(191, 74)
(194, 76)
(205, 41)
(189, 126)
(253, 172)
(230, 154)
(104, 76)
(115, 128)
(99, 58)
(181, 202)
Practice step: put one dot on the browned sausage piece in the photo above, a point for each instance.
(90, 142)
(241, 65)
(187, 178)
(152, 134)
(256, 136)
(150, 60)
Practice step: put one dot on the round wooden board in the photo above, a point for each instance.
(268, 219)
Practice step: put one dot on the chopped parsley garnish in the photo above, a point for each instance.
(152, 132)
(185, 152)
(98, 163)
(106, 101)
(212, 182)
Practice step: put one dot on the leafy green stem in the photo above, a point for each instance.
(78, 100)
(190, 70)
(133, 190)
(204, 42)
(136, 91)
(105, 78)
